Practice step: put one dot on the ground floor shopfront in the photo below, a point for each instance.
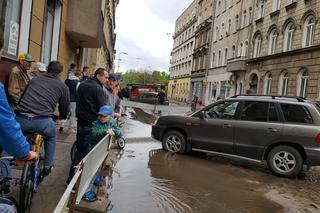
(47, 31)
(179, 89)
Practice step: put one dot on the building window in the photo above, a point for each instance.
(219, 8)
(225, 56)
(237, 23)
(284, 82)
(267, 84)
(219, 59)
(233, 51)
(222, 31)
(240, 51)
(48, 30)
(303, 79)
(10, 25)
(260, 9)
(272, 42)
(213, 60)
(246, 48)
(308, 31)
(250, 15)
(244, 18)
(257, 46)
(276, 5)
(217, 33)
(229, 26)
(288, 37)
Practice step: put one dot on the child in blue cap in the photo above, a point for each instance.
(105, 125)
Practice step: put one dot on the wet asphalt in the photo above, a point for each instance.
(147, 179)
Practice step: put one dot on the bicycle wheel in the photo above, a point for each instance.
(26, 189)
(121, 143)
(73, 151)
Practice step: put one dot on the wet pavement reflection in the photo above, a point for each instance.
(148, 179)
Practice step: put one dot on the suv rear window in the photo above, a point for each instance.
(296, 114)
(259, 111)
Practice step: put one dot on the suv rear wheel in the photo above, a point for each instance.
(174, 141)
(285, 161)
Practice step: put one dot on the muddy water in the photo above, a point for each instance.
(147, 179)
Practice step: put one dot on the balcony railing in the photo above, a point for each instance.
(85, 23)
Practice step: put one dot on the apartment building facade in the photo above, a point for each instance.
(57, 30)
(285, 53)
(229, 48)
(182, 54)
(203, 37)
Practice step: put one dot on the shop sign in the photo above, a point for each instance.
(13, 39)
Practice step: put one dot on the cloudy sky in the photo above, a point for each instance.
(144, 30)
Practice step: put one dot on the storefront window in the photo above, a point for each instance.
(51, 26)
(10, 25)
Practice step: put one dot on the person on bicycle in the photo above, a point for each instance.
(35, 111)
(104, 125)
(11, 137)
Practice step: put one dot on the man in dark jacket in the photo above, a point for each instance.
(72, 83)
(36, 108)
(90, 98)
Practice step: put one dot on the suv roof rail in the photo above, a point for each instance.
(298, 98)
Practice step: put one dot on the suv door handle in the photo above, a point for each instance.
(272, 130)
(227, 125)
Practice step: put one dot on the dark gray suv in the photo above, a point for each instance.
(283, 131)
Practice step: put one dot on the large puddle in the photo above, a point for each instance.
(147, 179)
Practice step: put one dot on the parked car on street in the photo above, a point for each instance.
(149, 98)
(283, 131)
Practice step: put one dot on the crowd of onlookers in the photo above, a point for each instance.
(31, 101)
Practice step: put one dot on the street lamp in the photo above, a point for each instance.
(119, 59)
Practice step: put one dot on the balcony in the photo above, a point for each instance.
(237, 64)
(85, 23)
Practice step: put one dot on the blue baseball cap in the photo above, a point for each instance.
(114, 76)
(105, 110)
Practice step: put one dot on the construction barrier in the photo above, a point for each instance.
(84, 175)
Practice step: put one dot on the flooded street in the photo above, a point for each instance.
(148, 179)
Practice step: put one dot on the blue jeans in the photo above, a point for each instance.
(83, 143)
(46, 127)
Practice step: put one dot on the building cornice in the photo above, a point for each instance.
(190, 23)
(283, 54)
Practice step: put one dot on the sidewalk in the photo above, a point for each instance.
(52, 188)
(174, 102)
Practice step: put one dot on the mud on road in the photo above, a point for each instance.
(148, 179)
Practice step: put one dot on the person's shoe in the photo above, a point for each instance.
(46, 171)
(6, 187)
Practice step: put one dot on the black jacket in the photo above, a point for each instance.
(90, 98)
(72, 85)
(42, 95)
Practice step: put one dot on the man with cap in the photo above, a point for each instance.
(19, 79)
(38, 70)
(110, 90)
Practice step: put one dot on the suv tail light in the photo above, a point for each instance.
(318, 138)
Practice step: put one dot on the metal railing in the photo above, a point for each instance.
(84, 174)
